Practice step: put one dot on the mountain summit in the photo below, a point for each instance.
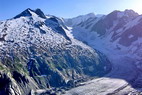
(30, 12)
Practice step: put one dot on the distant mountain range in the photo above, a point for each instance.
(121, 30)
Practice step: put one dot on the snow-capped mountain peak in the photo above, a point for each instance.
(90, 15)
(29, 12)
(82, 18)
(40, 13)
(127, 13)
(85, 17)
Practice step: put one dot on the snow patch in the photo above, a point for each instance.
(131, 36)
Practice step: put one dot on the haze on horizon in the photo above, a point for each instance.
(67, 8)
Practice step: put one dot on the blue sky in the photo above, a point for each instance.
(67, 8)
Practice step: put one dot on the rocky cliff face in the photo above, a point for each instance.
(37, 52)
